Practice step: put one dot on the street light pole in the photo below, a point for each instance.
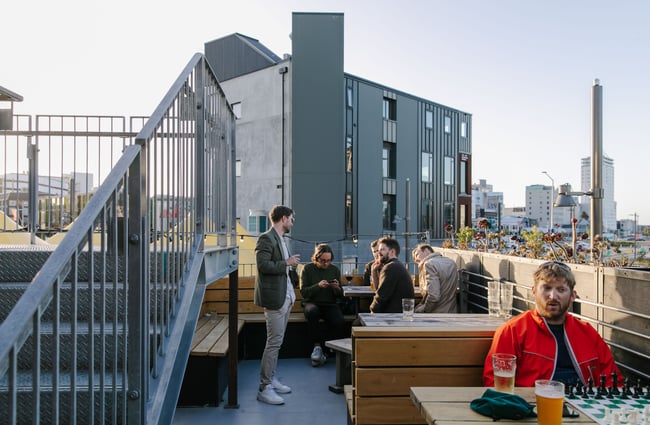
(635, 217)
(552, 195)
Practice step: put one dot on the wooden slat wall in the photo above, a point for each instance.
(216, 296)
(385, 367)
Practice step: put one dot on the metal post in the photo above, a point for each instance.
(597, 163)
(32, 156)
(407, 220)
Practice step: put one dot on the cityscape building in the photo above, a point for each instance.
(354, 158)
(487, 204)
(609, 204)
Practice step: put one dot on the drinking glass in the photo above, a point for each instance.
(550, 398)
(408, 304)
(504, 366)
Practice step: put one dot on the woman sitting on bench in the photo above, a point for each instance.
(320, 287)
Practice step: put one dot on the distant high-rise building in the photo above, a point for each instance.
(486, 203)
(609, 204)
(539, 199)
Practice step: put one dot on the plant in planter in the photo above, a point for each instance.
(465, 236)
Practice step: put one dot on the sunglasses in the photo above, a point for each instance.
(551, 264)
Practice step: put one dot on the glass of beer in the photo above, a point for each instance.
(550, 398)
(504, 366)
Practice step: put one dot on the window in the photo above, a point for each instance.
(238, 168)
(428, 119)
(257, 223)
(389, 110)
(447, 125)
(348, 154)
(449, 170)
(449, 214)
(236, 109)
(349, 97)
(388, 212)
(463, 129)
(348, 211)
(462, 184)
(388, 161)
(427, 167)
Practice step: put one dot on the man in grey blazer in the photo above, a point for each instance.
(274, 292)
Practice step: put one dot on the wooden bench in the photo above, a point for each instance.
(343, 349)
(210, 345)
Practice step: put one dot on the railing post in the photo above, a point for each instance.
(32, 156)
(135, 280)
(200, 177)
(233, 337)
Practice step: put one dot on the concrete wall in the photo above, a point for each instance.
(260, 138)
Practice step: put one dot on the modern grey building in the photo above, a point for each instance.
(355, 159)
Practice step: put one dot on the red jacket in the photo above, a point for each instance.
(529, 338)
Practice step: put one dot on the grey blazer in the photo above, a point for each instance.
(271, 279)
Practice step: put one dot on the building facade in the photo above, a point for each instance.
(354, 158)
(609, 204)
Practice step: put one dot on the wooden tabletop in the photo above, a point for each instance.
(358, 291)
(450, 406)
(439, 320)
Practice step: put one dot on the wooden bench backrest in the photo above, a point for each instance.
(216, 296)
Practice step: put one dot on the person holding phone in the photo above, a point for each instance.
(320, 287)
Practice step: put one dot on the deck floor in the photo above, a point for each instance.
(310, 401)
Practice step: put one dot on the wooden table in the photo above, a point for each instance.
(441, 321)
(356, 292)
(450, 406)
(343, 349)
(391, 355)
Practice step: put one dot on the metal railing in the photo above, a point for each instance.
(102, 333)
(52, 165)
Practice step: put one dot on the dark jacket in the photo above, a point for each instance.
(395, 283)
(271, 279)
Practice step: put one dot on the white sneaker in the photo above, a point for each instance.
(269, 396)
(318, 357)
(279, 387)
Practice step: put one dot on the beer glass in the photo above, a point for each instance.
(550, 398)
(504, 367)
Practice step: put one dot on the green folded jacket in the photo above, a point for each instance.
(498, 405)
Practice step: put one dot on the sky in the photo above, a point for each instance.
(524, 69)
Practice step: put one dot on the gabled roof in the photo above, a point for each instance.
(237, 54)
(254, 43)
(9, 96)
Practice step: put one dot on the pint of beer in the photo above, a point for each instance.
(504, 366)
(550, 397)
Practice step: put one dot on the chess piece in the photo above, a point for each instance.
(571, 392)
(615, 390)
(590, 383)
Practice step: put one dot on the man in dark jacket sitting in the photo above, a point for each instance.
(395, 281)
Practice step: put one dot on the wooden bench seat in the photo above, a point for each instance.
(210, 344)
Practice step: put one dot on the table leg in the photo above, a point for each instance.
(343, 372)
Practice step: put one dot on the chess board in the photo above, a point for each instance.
(596, 408)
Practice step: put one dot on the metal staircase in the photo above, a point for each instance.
(98, 330)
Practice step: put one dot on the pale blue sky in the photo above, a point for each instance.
(523, 69)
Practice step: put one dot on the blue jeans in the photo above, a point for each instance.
(276, 325)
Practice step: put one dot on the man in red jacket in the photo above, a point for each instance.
(550, 343)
